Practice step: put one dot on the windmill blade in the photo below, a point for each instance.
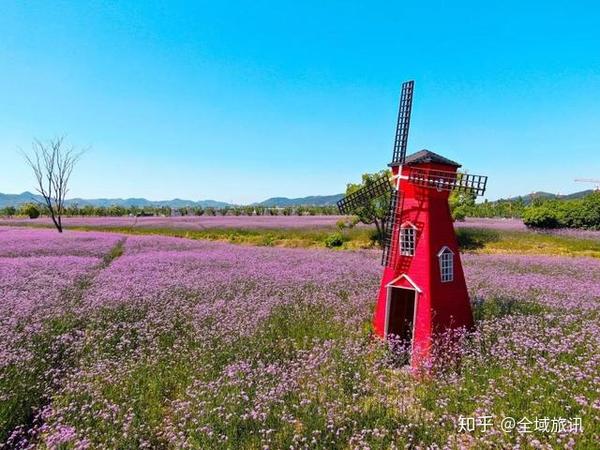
(391, 219)
(448, 181)
(364, 195)
(403, 124)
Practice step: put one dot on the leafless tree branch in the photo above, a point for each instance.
(52, 164)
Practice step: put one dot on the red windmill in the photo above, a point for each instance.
(423, 288)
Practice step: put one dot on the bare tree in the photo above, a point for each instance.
(52, 163)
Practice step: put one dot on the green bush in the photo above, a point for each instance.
(347, 222)
(459, 213)
(583, 213)
(8, 211)
(543, 216)
(590, 211)
(497, 307)
(376, 237)
(334, 240)
(30, 210)
(269, 240)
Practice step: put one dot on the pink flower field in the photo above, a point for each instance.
(244, 222)
(198, 223)
(189, 222)
(114, 341)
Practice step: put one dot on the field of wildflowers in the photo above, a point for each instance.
(189, 222)
(500, 235)
(116, 341)
(242, 222)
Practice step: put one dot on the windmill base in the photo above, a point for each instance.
(404, 313)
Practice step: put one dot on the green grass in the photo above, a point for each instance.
(528, 242)
(470, 239)
(538, 243)
(270, 237)
(114, 252)
(492, 308)
(476, 238)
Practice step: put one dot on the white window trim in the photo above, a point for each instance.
(443, 250)
(394, 285)
(408, 249)
(446, 272)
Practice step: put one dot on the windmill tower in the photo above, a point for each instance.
(423, 289)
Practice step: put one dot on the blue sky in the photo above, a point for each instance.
(243, 100)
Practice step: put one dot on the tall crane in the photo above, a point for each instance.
(589, 180)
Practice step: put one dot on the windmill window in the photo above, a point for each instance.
(446, 257)
(408, 236)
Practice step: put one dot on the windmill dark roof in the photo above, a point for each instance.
(425, 156)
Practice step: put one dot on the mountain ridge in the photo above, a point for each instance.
(546, 195)
(274, 202)
(312, 200)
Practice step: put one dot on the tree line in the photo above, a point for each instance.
(34, 210)
(576, 213)
(539, 212)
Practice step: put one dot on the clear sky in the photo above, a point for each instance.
(242, 100)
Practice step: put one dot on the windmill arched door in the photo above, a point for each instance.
(401, 309)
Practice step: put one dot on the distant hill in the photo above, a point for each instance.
(278, 202)
(580, 194)
(141, 202)
(27, 197)
(547, 195)
(18, 199)
(315, 200)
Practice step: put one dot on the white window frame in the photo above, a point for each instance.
(408, 239)
(446, 261)
(397, 283)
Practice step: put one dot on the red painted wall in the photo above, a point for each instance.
(439, 305)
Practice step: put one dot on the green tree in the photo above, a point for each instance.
(461, 203)
(87, 210)
(116, 211)
(9, 211)
(375, 211)
(542, 216)
(590, 206)
(30, 210)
